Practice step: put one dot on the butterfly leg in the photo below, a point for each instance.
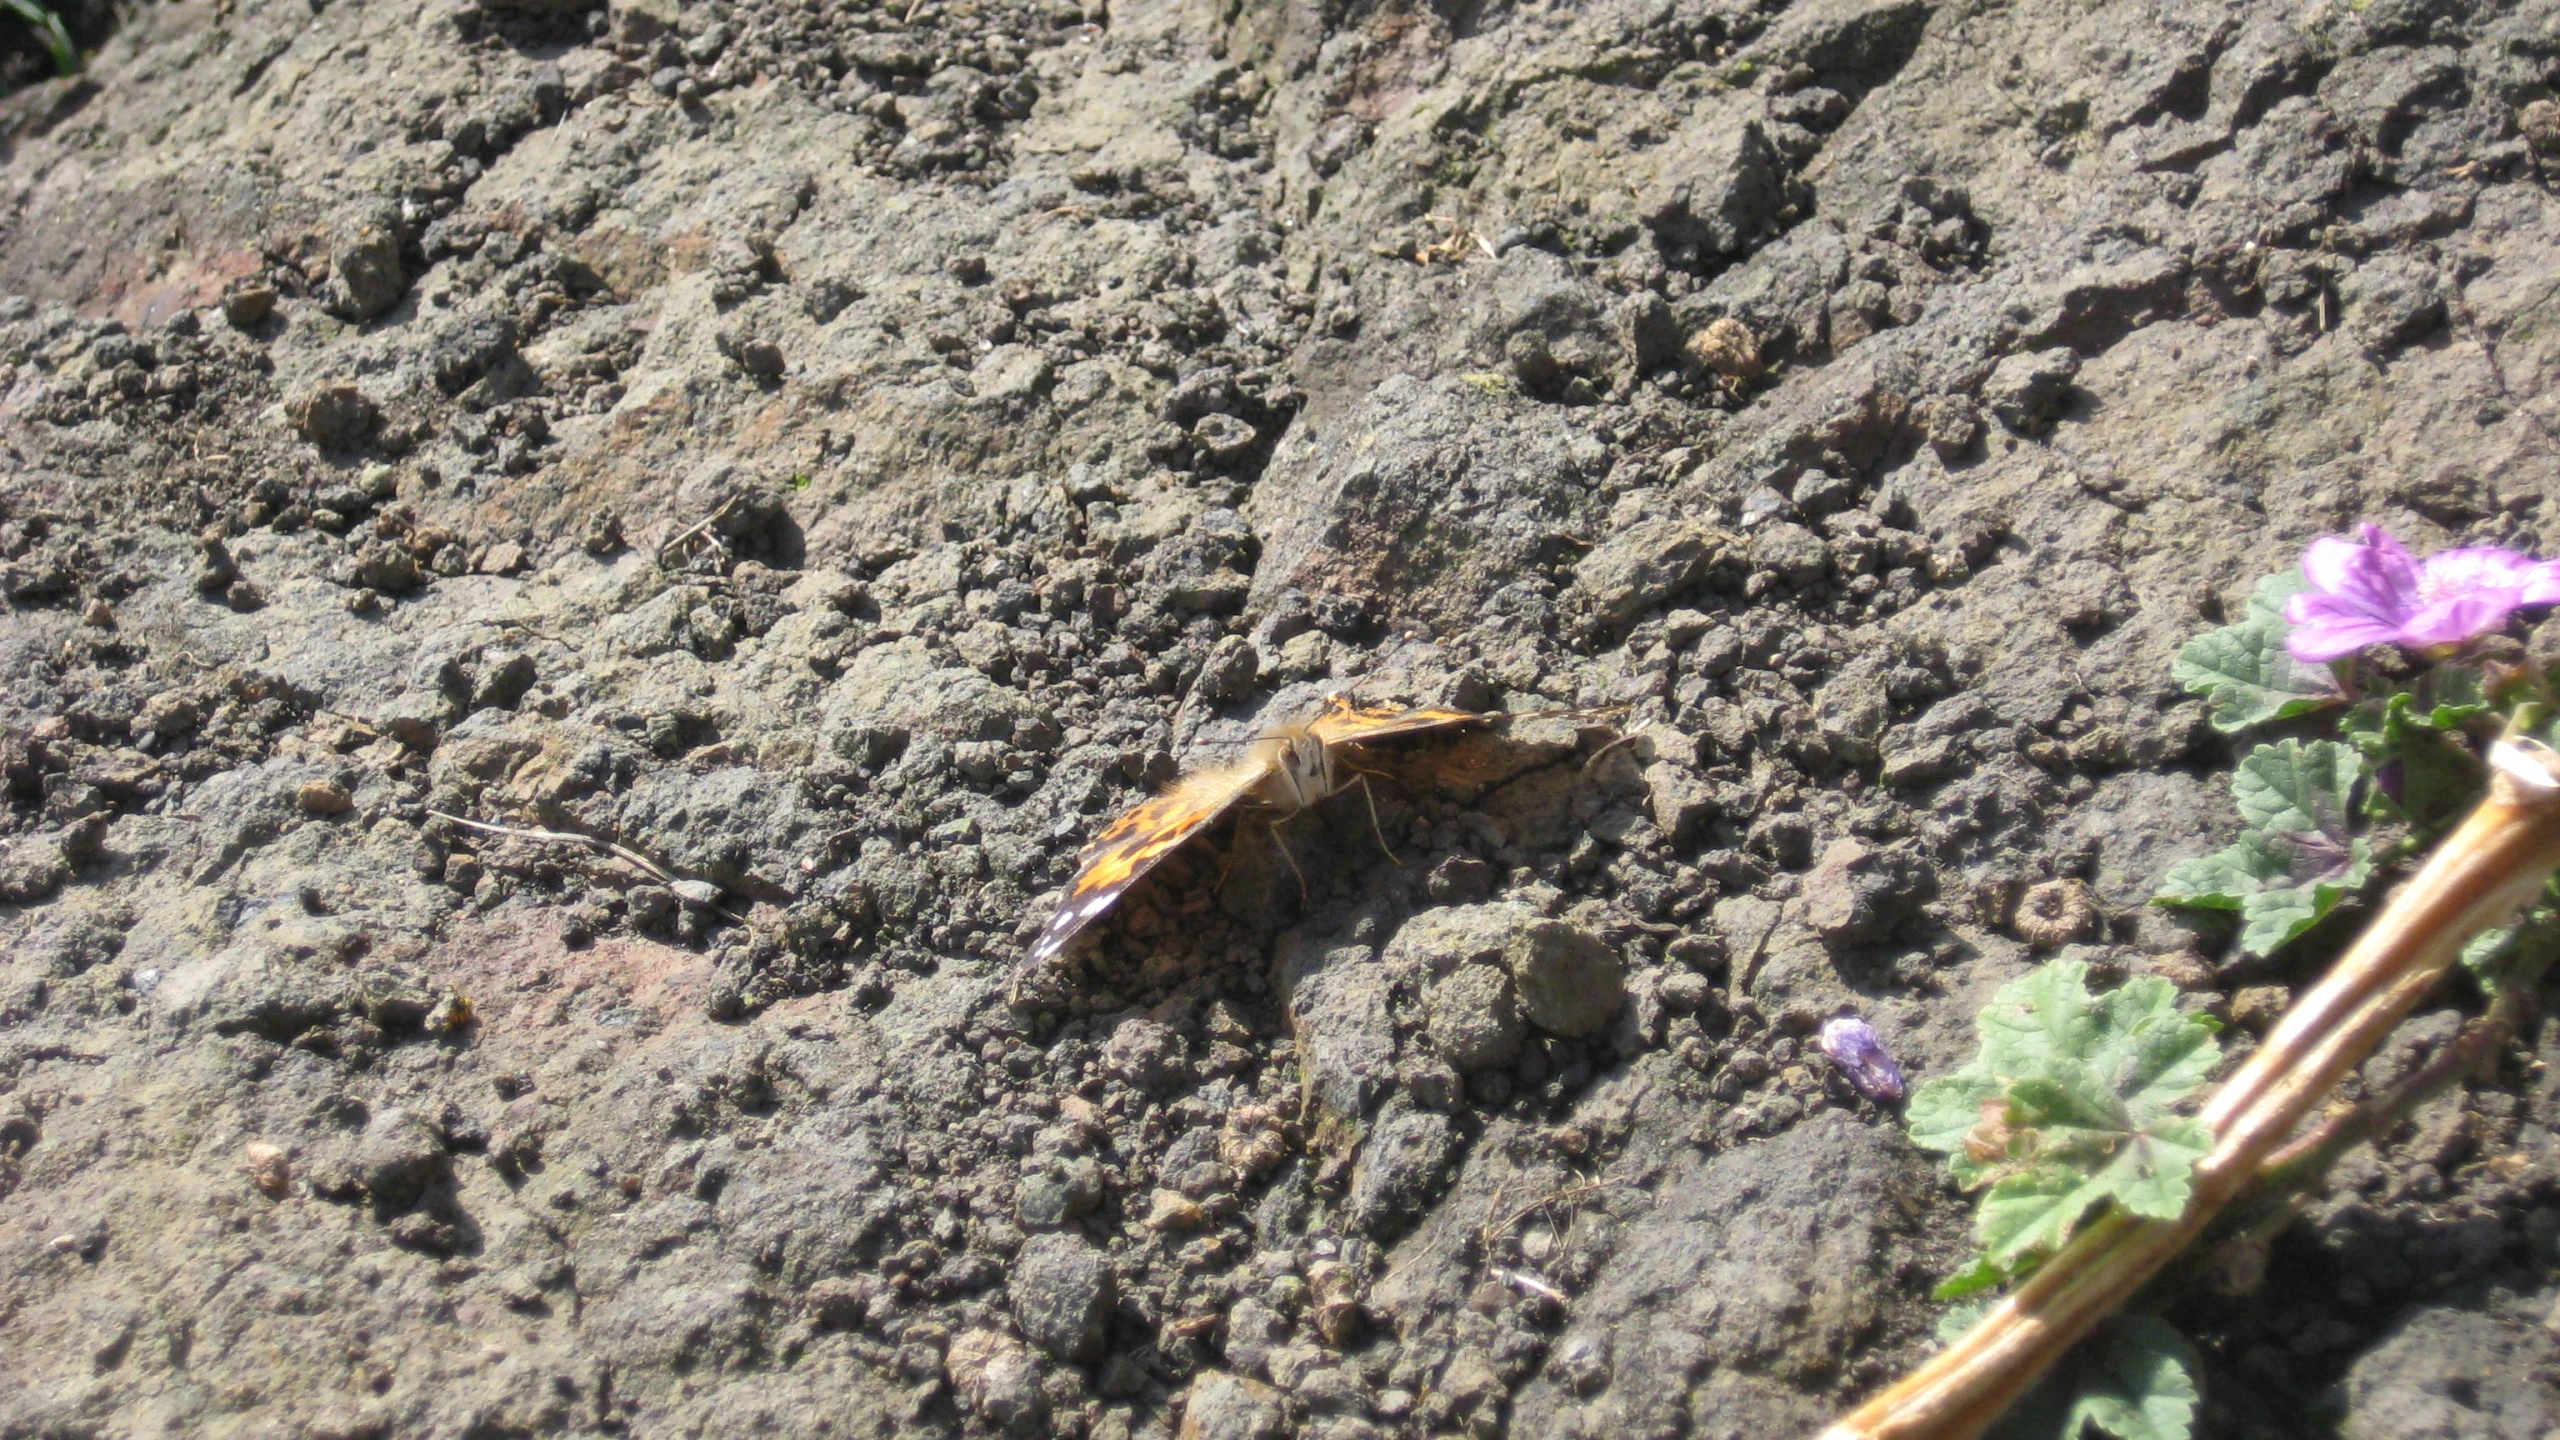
(1283, 846)
(1375, 828)
(1593, 764)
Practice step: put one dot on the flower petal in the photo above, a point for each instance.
(2457, 618)
(2377, 578)
(2474, 567)
(2326, 628)
(2331, 564)
(1854, 1046)
(2540, 584)
(2391, 562)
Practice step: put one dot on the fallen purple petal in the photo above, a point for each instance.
(2367, 592)
(1853, 1045)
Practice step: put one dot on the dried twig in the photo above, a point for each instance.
(563, 837)
(700, 529)
(2311, 1156)
(2499, 858)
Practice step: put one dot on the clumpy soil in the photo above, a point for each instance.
(575, 578)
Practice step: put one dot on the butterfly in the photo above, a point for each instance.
(1287, 770)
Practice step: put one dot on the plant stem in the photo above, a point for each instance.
(2275, 1196)
(2498, 858)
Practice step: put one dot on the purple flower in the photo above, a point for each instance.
(1854, 1046)
(2368, 592)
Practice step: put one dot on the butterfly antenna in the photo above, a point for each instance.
(1570, 712)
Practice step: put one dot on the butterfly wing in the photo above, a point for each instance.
(1134, 844)
(1345, 721)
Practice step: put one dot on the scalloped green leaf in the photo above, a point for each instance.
(2244, 670)
(2135, 1379)
(2296, 787)
(2069, 1103)
(2297, 859)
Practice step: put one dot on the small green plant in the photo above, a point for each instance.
(2298, 857)
(2074, 1101)
(2400, 763)
(2079, 1102)
(2412, 721)
(2070, 1103)
(48, 32)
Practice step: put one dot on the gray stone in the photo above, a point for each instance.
(1791, 552)
(333, 417)
(504, 677)
(1062, 1190)
(365, 268)
(1147, 1056)
(1856, 893)
(1763, 1259)
(31, 870)
(1378, 502)
(1063, 1291)
(1341, 1006)
(1646, 565)
(998, 1379)
(1716, 189)
(2455, 1370)
(1220, 1406)
(1229, 672)
(2024, 390)
(1437, 942)
(2391, 302)
(1570, 981)
(1400, 1167)
(1681, 801)
(1474, 1018)
(399, 1155)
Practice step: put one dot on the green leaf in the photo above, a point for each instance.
(1943, 1113)
(2244, 670)
(2147, 1171)
(1974, 1279)
(2224, 879)
(2436, 774)
(2485, 956)
(2031, 1214)
(2068, 1104)
(2296, 860)
(2455, 697)
(2141, 1383)
(2271, 919)
(48, 32)
(2293, 788)
(1960, 1318)
(2135, 1379)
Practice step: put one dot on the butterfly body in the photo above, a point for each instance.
(1287, 771)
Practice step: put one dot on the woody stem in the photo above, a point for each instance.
(2498, 858)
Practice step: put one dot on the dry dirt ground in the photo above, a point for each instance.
(840, 455)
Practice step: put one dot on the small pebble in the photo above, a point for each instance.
(268, 1168)
(323, 797)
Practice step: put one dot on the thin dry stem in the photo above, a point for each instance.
(562, 837)
(2500, 857)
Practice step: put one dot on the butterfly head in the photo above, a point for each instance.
(1302, 771)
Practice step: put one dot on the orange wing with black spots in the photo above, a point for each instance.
(1135, 843)
(1345, 721)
